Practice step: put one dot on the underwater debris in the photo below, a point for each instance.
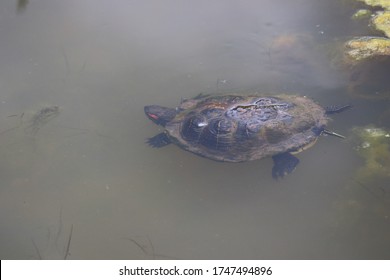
(53, 248)
(41, 118)
(148, 250)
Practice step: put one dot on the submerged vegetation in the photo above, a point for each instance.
(57, 244)
(36, 121)
(373, 145)
(367, 196)
(361, 14)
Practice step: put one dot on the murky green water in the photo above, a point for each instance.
(84, 185)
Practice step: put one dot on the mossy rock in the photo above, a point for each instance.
(385, 4)
(362, 48)
(381, 21)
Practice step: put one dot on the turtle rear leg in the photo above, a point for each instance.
(158, 141)
(284, 164)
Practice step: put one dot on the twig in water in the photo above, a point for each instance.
(151, 246)
(36, 249)
(68, 246)
(146, 252)
(138, 245)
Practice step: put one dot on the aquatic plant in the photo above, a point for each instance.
(373, 145)
(361, 14)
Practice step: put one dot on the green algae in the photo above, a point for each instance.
(366, 47)
(361, 14)
(385, 4)
(373, 145)
(381, 21)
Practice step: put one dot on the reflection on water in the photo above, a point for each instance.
(101, 62)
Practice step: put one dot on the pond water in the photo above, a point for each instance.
(81, 183)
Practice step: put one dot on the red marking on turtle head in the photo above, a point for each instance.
(153, 116)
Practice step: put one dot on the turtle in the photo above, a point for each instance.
(238, 128)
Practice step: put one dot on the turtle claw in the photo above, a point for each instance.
(284, 164)
(158, 141)
(332, 133)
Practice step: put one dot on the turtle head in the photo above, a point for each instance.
(160, 115)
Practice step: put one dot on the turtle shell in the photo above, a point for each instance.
(241, 128)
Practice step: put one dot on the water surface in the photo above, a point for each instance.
(86, 186)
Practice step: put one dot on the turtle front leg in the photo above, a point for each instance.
(284, 164)
(158, 141)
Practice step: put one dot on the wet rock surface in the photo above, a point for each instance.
(381, 21)
(367, 47)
